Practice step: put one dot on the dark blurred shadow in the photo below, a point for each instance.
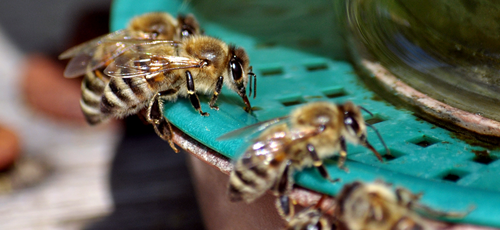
(150, 184)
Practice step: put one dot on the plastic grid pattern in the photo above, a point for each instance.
(426, 158)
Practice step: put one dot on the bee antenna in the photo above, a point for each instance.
(388, 152)
(250, 85)
(254, 85)
(366, 110)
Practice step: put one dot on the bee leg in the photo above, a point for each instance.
(218, 87)
(195, 101)
(161, 125)
(411, 200)
(318, 163)
(144, 117)
(285, 208)
(342, 154)
(284, 204)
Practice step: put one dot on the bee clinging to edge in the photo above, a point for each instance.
(310, 134)
(374, 206)
(310, 218)
(142, 72)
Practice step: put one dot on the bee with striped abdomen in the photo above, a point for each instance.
(310, 218)
(310, 134)
(90, 58)
(159, 71)
(374, 206)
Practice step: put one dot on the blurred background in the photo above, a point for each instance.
(56, 172)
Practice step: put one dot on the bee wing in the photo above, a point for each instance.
(89, 46)
(81, 55)
(100, 51)
(272, 147)
(136, 64)
(252, 129)
(261, 152)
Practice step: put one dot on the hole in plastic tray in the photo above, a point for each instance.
(424, 141)
(334, 92)
(317, 67)
(394, 154)
(375, 119)
(483, 157)
(453, 175)
(291, 100)
(272, 71)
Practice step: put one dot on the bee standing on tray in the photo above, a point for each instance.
(92, 57)
(374, 206)
(155, 69)
(312, 133)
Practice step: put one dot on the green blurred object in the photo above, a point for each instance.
(296, 51)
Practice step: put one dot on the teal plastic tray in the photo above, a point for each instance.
(427, 159)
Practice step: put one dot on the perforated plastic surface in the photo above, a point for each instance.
(427, 158)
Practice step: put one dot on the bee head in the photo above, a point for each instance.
(188, 26)
(355, 127)
(156, 25)
(366, 203)
(221, 60)
(239, 72)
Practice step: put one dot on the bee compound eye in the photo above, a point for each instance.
(351, 123)
(186, 32)
(236, 69)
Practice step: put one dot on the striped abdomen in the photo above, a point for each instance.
(258, 170)
(126, 96)
(92, 88)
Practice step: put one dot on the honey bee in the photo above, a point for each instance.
(374, 206)
(90, 58)
(310, 134)
(152, 72)
(310, 218)
(164, 70)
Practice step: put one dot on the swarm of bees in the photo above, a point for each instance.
(155, 59)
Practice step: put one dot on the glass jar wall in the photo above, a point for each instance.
(449, 50)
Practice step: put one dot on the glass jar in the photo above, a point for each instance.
(448, 50)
